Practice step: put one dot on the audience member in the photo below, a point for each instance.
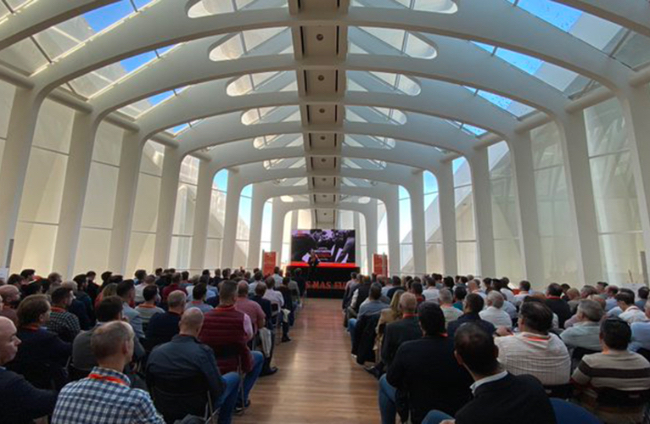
(615, 368)
(149, 308)
(42, 355)
(199, 293)
(403, 330)
(499, 397)
(397, 286)
(249, 307)
(472, 306)
(10, 300)
(126, 291)
(424, 375)
(105, 396)
(585, 333)
(143, 282)
(162, 327)
(175, 285)
(446, 304)
(20, 401)
(185, 357)
(92, 288)
(265, 304)
(431, 293)
(558, 305)
(82, 305)
(573, 296)
(62, 322)
(460, 293)
(610, 297)
(641, 333)
(630, 313)
(643, 297)
(494, 312)
(272, 295)
(227, 331)
(534, 350)
(372, 305)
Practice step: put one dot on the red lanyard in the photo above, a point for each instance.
(107, 378)
(57, 309)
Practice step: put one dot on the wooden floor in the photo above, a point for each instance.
(318, 381)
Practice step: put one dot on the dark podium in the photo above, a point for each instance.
(327, 280)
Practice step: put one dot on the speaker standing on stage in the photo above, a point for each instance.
(313, 263)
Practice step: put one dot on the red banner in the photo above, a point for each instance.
(380, 264)
(268, 262)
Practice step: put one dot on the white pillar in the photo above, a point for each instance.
(201, 215)
(356, 220)
(523, 171)
(635, 103)
(231, 220)
(75, 186)
(447, 202)
(371, 232)
(483, 212)
(277, 227)
(127, 186)
(416, 191)
(255, 237)
(22, 125)
(392, 219)
(573, 136)
(167, 206)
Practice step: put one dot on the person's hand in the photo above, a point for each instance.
(504, 331)
(448, 422)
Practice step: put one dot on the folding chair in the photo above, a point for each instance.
(227, 353)
(175, 398)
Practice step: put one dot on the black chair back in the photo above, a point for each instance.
(579, 352)
(621, 398)
(561, 391)
(176, 398)
(644, 352)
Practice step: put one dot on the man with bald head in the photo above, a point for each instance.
(10, 300)
(20, 402)
(398, 332)
(185, 357)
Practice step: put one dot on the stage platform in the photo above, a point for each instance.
(329, 279)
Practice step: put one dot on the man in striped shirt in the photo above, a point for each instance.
(615, 368)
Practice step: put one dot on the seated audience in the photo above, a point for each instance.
(199, 294)
(585, 333)
(265, 304)
(109, 310)
(499, 397)
(173, 286)
(416, 289)
(446, 304)
(403, 330)
(249, 307)
(387, 316)
(126, 291)
(472, 306)
(227, 331)
(558, 305)
(474, 287)
(494, 312)
(272, 295)
(610, 297)
(185, 357)
(143, 283)
(105, 396)
(615, 368)
(630, 313)
(534, 350)
(431, 292)
(162, 327)
(362, 292)
(573, 296)
(372, 305)
(149, 308)
(62, 322)
(460, 293)
(42, 355)
(20, 401)
(397, 286)
(10, 300)
(287, 313)
(641, 333)
(424, 374)
(81, 305)
(643, 297)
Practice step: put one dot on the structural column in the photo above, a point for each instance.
(15, 158)
(75, 186)
(255, 237)
(635, 103)
(277, 226)
(416, 190)
(167, 206)
(447, 203)
(356, 224)
(201, 215)
(231, 220)
(573, 135)
(529, 236)
(371, 232)
(392, 220)
(483, 212)
(127, 186)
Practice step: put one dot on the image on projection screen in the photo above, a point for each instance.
(331, 246)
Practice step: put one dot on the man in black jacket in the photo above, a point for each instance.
(20, 402)
(559, 306)
(424, 374)
(404, 330)
(472, 305)
(499, 397)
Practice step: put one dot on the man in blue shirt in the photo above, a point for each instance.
(185, 356)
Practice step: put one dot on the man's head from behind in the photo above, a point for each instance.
(176, 301)
(431, 318)
(228, 293)
(112, 344)
(615, 334)
(375, 291)
(149, 293)
(242, 289)
(126, 290)
(62, 297)
(10, 295)
(535, 316)
(8, 340)
(473, 304)
(476, 351)
(34, 310)
(191, 322)
(408, 303)
(590, 310)
(624, 298)
(494, 298)
(109, 309)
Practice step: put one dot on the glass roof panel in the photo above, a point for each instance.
(359, 163)
(289, 163)
(358, 182)
(291, 182)
(355, 199)
(389, 42)
(266, 82)
(507, 104)
(382, 82)
(267, 115)
(376, 115)
(435, 6)
(217, 7)
(368, 141)
(257, 42)
(278, 141)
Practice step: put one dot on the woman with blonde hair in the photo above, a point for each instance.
(387, 316)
